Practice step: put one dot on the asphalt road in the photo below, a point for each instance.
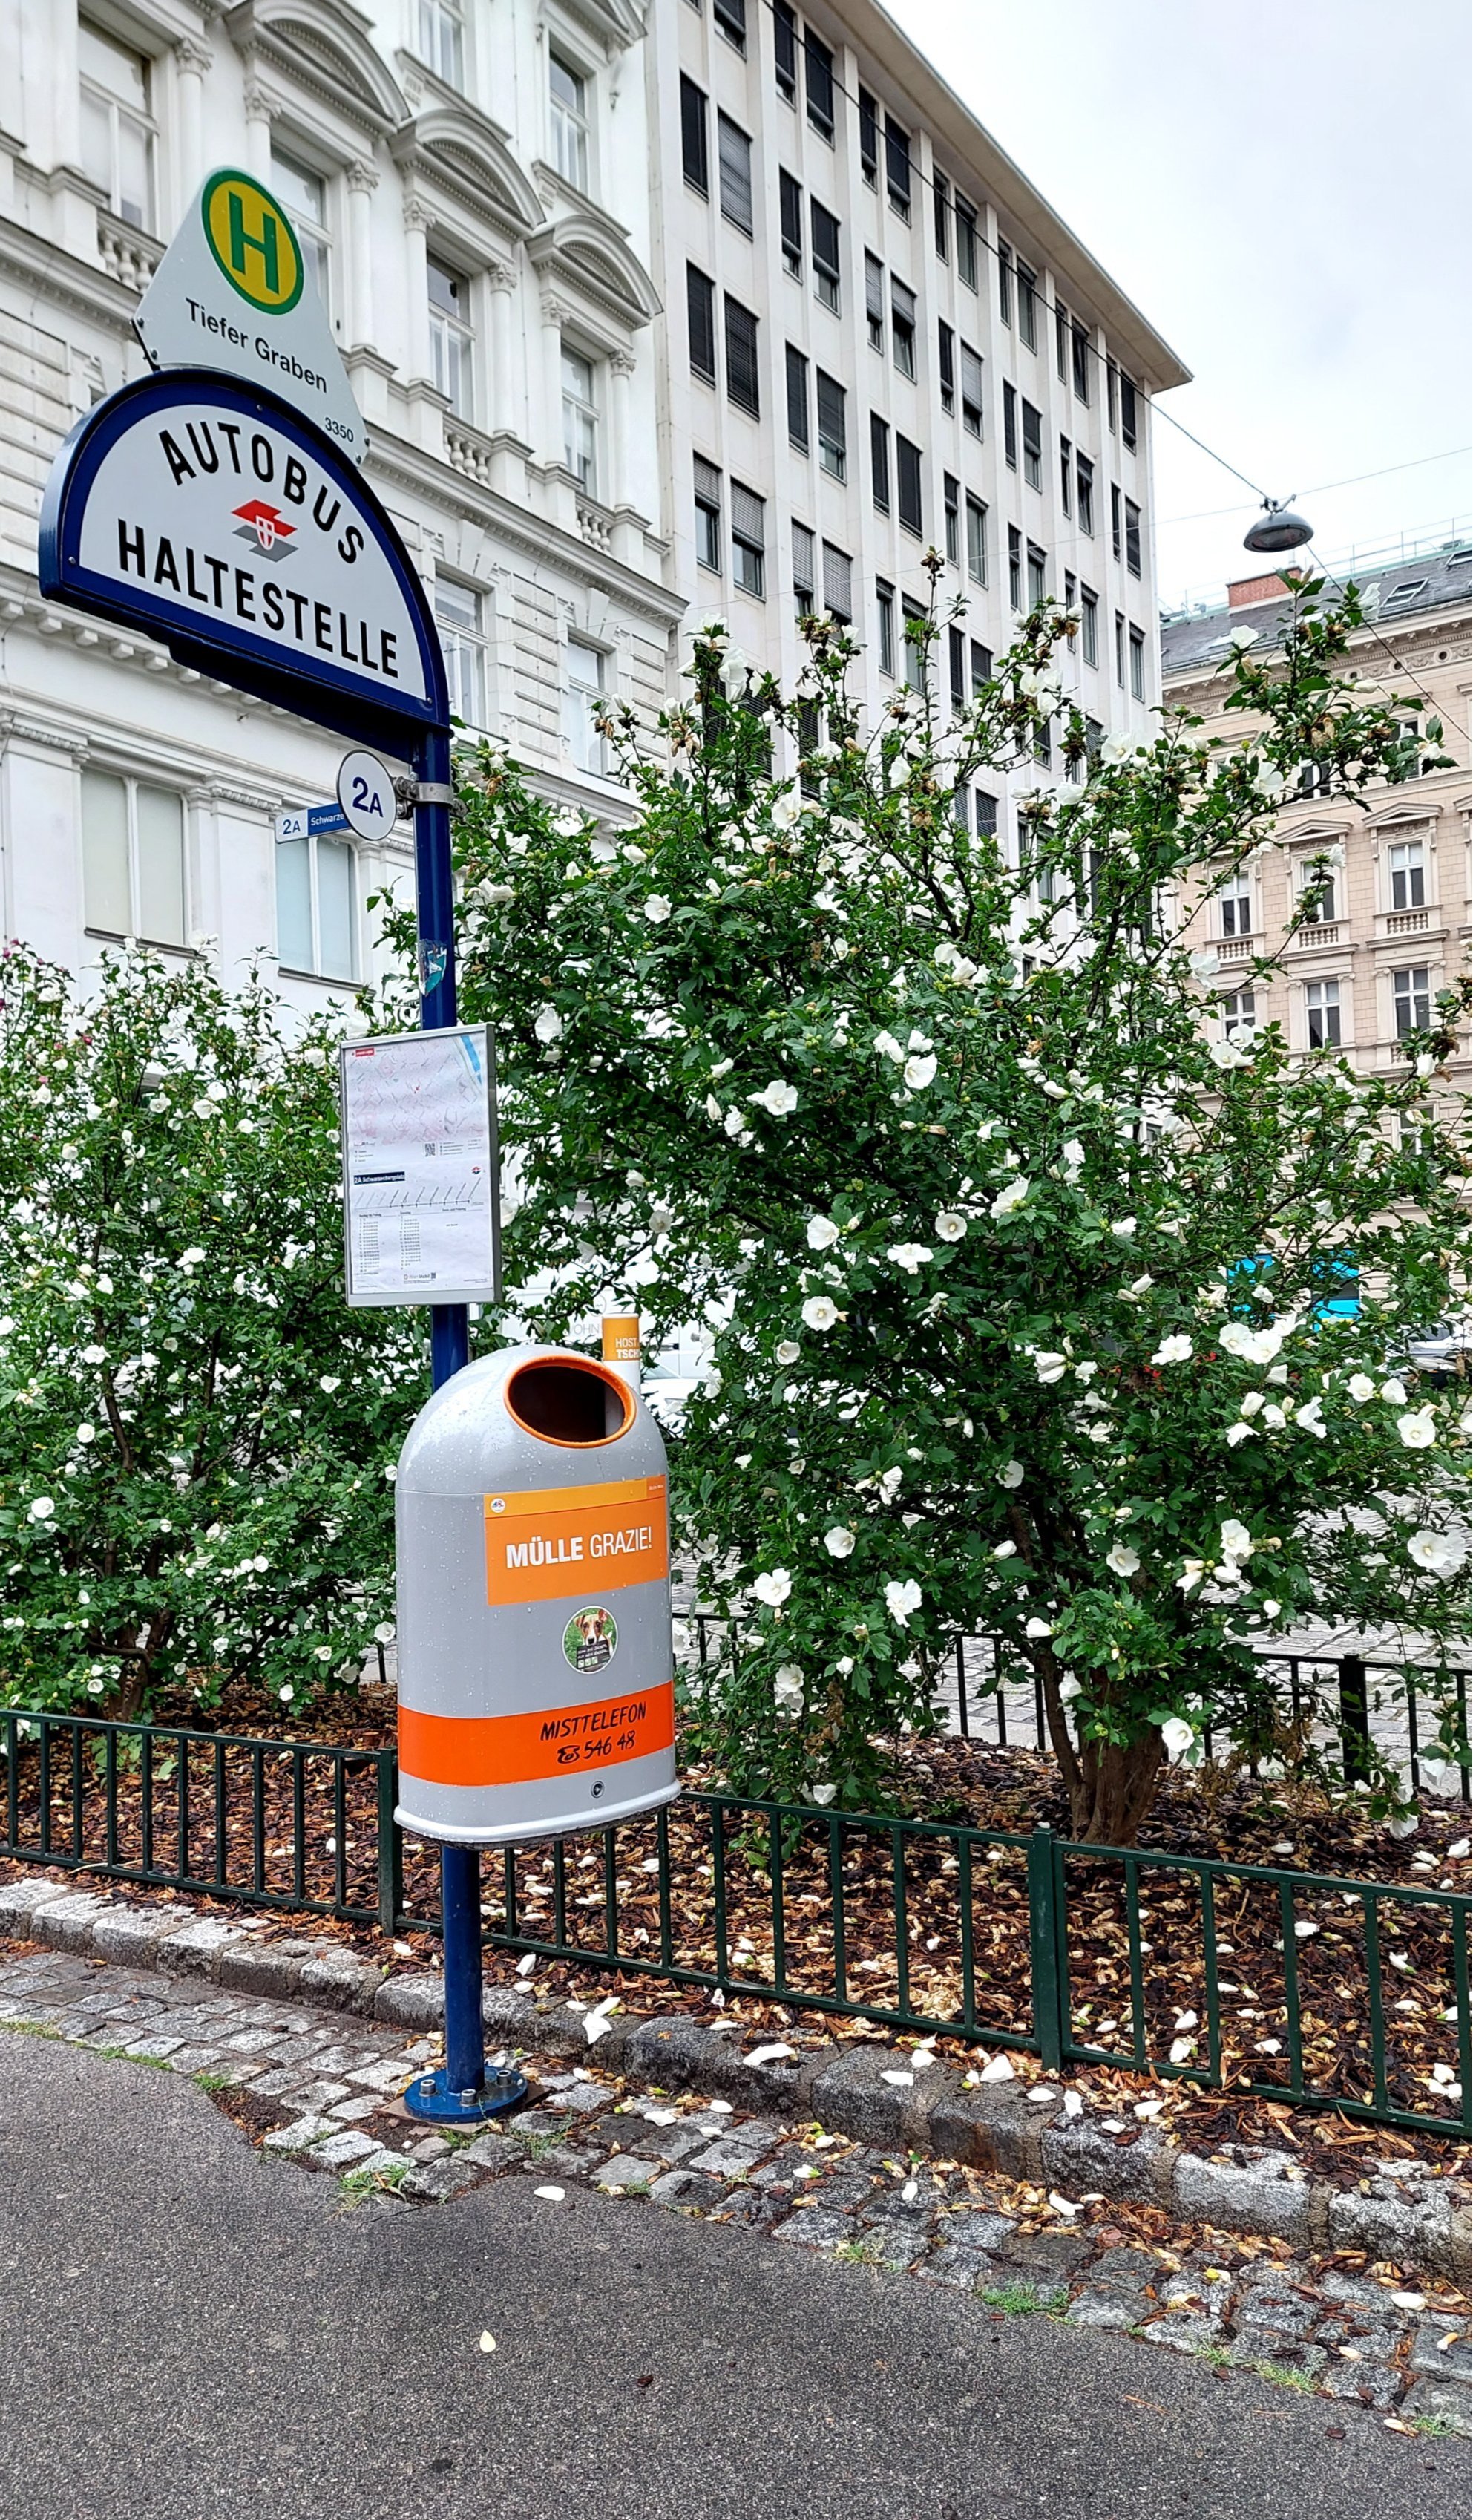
(191, 2329)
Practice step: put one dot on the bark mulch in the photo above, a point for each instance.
(307, 1831)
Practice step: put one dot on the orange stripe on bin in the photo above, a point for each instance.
(550, 1543)
(520, 1749)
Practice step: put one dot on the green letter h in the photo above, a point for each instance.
(264, 245)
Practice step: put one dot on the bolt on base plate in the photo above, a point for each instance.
(430, 2095)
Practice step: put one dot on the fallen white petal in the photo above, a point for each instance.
(1410, 2300)
(1061, 2204)
(892, 2075)
(909, 2193)
(553, 2195)
(768, 2056)
(723, 2108)
(1074, 2106)
(488, 2341)
(999, 2071)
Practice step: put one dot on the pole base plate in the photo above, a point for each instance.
(429, 2096)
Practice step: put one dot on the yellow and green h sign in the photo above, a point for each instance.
(253, 241)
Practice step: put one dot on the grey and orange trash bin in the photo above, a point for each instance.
(536, 1676)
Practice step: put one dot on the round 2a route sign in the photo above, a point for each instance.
(365, 793)
(210, 514)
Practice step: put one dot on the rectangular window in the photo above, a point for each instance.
(451, 360)
(1120, 649)
(707, 516)
(463, 642)
(316, 922)
(1065, 474)
(694, 140)
(981, 671)
(1239, 1015)
(583, 706)
(700, 323)
(1317, 895)
(987, 814)
(580, 419)
(879, 463)
(907, 505)
(1133, 537)
(971, 391)
(118, 133)
(1015, 568)
(875, 302)
(1069, 590)
(1028, 307)
(133, 859)
(730, 17)
(884, 613)
(1236, 904)
(803, 576)
(818, 84)
(1137, 664)
(903, 326)
(1411, 998)
(1321, 999)
(1088, 626)
(976, 541)
(743, 386)
(1128, 410)
(568, 111)
(1010, 426)
(1407, 866)
(442, 39)
(808, 736)
(915, 645)
(956, 648)
(1084, 485)
(869, 129)
(1061, 340)
(304, 193)
(897, 166)
(1115, 536)
(749, 540)
(966, 242)
(838, 575)
(946, 365)
(832, 440)
(1033, 447)
(1080, 349)
(1112, 395)
(951, 501)
(824, 229)
(1005, 283)
(941, 215)
(797, 397)
(733, 159)
(790, 222)
(786, 50)
(1038, 567)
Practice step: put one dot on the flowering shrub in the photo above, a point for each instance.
(1014, 1267)
(194, 1429)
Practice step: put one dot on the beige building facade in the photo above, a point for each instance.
(1395, 910)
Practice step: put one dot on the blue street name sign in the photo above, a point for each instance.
(309, 820)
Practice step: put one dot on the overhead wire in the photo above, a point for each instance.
(1202, 515)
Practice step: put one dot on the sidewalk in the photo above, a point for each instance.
(321, 2089)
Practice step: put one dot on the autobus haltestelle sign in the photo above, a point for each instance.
(205, 511)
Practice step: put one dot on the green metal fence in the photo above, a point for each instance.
(915, 1925)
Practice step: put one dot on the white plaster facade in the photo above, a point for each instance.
(500, 198)
(469, 238)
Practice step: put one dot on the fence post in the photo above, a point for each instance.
(1355, 1719)
(1045, 1942)
(390, 1844)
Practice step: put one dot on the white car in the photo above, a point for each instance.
(1442, 1353)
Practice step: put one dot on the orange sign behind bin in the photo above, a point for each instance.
(542, 1544)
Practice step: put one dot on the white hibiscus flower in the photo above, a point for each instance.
(1437, 1553)
(838, 1540)
(819, 1313)
(901, 1599)
(774, 1588)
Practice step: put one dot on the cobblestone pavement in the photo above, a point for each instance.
(324, 2090)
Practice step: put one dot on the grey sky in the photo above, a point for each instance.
(1282, 188)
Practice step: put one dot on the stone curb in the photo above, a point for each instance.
(1408, 2214)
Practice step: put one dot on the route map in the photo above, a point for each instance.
(419, 1169)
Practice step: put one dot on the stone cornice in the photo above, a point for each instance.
(62, 278)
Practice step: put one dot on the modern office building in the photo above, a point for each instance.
(879, 338)
(1392, 916)
(651, 311)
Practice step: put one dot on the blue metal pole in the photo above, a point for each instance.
(449, 1350)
